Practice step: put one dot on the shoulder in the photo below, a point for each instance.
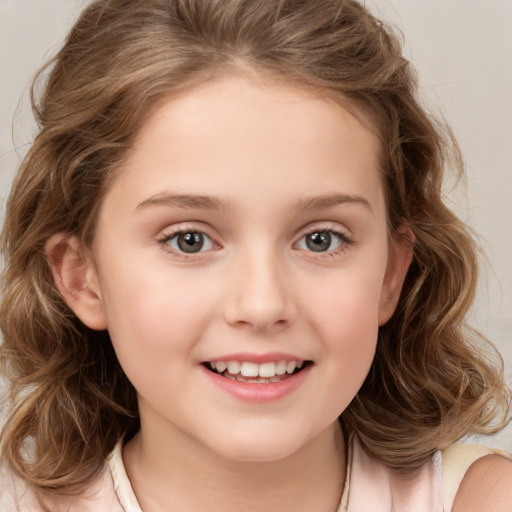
(476, 478)
(486, 486)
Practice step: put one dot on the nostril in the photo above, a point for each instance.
(259, 324)
(258, 307)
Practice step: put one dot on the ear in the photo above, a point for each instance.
(76, 278)
(400, 257)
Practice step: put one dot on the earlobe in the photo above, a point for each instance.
(400, 257)
(76, 279)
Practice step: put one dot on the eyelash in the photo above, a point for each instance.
(344, 241)
(169, 236)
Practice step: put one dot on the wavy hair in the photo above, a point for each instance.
(432, 381)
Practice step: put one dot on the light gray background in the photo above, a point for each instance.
(462, 49)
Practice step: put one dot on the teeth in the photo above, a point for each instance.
(266, 372)
(249, 369)
(234, 367)
(281, 368)
(290, 367)
(221, 366)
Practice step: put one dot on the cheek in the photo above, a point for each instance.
(345, 318)
(154, 325)
(154, 313)
(348, 299)
(350, 333)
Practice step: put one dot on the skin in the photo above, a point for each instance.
(486, 486)
(267, 156)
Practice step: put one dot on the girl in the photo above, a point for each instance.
(231, 282)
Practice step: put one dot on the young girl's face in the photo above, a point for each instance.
(246, 232)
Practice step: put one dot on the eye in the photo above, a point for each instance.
(322, 241)
(189, 242)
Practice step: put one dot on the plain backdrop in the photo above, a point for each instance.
(462, 50)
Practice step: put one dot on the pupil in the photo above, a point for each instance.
(190, 242)
(319, 241)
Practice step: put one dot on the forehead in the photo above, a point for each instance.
(252, 100)
(242, 131)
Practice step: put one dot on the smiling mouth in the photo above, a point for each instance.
(257, 373)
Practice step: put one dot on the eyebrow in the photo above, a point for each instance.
(203, 202)
(184, 201)
(328, 201)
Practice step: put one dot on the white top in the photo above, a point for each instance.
(369, 485)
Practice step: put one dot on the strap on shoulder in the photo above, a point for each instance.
(457, 459)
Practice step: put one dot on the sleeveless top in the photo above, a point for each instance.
(369, 485)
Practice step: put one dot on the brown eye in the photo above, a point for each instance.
(189, 242)
(323, 240)
(319, 241)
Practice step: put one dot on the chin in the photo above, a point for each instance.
(259, 447)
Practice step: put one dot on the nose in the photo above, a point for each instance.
(259, 296)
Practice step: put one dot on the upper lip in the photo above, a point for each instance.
(256, 358)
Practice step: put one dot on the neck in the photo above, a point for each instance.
(179, 473)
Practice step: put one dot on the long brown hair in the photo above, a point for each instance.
(432, 381)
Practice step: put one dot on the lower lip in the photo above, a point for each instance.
(259, 393)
